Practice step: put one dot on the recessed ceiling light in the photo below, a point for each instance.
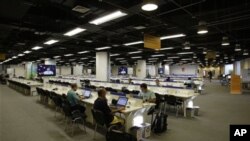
(50, 42)
(27, 52)
(68, 55)
(74, 31)
(134, 52)
(103, 48)
(109, 17)
(82, 52)
(173, 36)
(114, 55)
(167, 48)
(149, 5)
(133, 43)
(20, 54)
(56, 56)
(37, 48)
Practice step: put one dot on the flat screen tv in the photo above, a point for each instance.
(46, 70)
(160, 70)
(122, 70)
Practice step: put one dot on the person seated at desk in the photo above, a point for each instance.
(74, 99)
(130, 81)
(168, 79)
(101, 104)
(147, 95)
(189, 83)
(157, 82)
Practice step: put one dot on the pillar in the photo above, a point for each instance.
(141, 69)
(102, 66)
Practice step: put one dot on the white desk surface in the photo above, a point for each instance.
(27, 82)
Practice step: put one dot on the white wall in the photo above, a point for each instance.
(184, 69)
(65, 70)
(19, 70)
(102, 66)
(228, 68)
(141, 69)
(152, 70)
(78, 70)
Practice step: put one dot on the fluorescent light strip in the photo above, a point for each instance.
(50, 42)
(37, 48)
(83, 58)
(173, 57)
(123, 61)
(102, 48)
(133, 43)
(152, 58)
(74, 31)
(134, 52)
(172, 36)
(184, 53)
(14, 57)
(20, 54)
(68, 55)
(136, 57)
(158, 55)
(186, 59)
(82, 52)
(119, 58)
(114, 55)
(27, 52)
(167, 48)
(56, 56)
(109, 17)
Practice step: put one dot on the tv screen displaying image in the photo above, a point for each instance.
(46, 70)
(123, 71)
(160, 70)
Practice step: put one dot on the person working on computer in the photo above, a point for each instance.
(101, 104)
(157, 82)
(147, 95)
(74, 99)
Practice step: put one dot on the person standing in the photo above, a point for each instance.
(210, 75)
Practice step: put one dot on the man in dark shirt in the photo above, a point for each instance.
(102, 105)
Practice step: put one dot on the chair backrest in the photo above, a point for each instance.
(98, 117)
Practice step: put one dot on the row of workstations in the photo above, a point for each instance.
(184, 94)
(134, 110)
(26, 87)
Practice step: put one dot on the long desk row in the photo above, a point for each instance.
(134, 108)
(27, 87)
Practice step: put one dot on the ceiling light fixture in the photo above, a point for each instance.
(174, 57)
(158, 55)
(74, 31)
(67, 55)
(114, 55)
(173, 36)
(202, 27)
(56, 56)
(245, 53)
(184, 53)
(187, 45)
(37, 48)
(225, 41)
(14, 57)
(237, 47)
(103, 48)
(82, 52)
(109, 17)
(136, 57)
(133, 43)
(167, 48)
(50, 42)
(149, 5)
(27, 52)
(20, 54)
(134, 52)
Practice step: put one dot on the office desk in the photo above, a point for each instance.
(27, 87)
(134, 108)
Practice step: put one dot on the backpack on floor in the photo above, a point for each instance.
(160, 123)
(117, 135)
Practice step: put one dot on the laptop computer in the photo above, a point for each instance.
(121, 102)
(86, 93)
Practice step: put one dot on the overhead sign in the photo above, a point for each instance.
(2, 56)
(152, 42)
(235, 86)
(211, 55)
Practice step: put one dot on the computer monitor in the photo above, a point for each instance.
(122, 101)
(86, 93)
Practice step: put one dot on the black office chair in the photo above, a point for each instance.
(99, 119)
(57, 100)
(173, 101)
(73, 118)
(135, 92)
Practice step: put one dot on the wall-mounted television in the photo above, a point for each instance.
(46, 70)
(122, 70)
(160, 70)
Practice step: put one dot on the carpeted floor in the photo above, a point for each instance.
(23, 119)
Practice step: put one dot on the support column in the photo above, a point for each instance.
(102, 66)
(141, 69)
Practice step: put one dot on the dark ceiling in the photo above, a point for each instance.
(28, 23)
